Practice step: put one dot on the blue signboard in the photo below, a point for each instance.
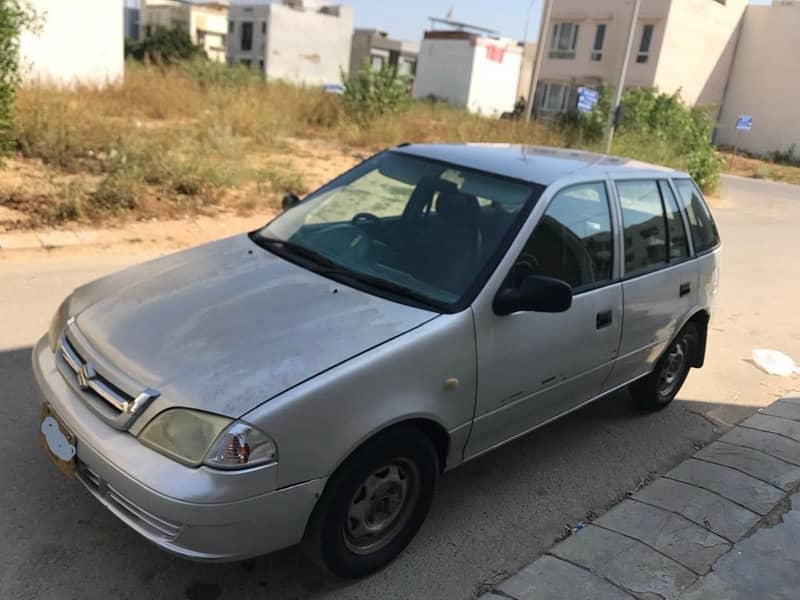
(587, 98)
(744, 123)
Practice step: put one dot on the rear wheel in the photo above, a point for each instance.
(658, 389)
(374, 504)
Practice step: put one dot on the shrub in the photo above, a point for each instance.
(369, 93)
(785, 157)
(15, 16)
(164, 46)
(656, 127)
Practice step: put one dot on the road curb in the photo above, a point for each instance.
(664, 540)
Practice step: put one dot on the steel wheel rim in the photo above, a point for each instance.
(674, 366)
(381, 506)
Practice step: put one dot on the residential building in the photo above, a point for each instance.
(378, 49)
(679, 45)
(526, 68)
(206, 22)
(302, 41)
(58, 53)
(131, 19)
(763, 83)
(469, 66)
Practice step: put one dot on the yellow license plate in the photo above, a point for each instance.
(58, 440)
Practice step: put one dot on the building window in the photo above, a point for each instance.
(231, 27)
(599, 40)
(148, 30)
(555, 97)
(264, 27)
(261, 64)
(247, 36)
(644, 46)
(564, 40)
(376, 62)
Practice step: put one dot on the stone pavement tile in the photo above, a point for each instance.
(552, 579)
(19, 241)
(748, 491)
(684, 542)
(627, 563)
(702, 507)
(782, 408)
(58, 238)
(753, 462)
(769, 443)
(765, 565)
(784, 427)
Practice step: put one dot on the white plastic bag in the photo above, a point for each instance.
(775, 363)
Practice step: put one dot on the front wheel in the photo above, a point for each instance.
(658, 389)
(374, 504)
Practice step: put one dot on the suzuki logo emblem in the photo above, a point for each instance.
(85, 376)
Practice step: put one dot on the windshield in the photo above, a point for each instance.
(416, 229)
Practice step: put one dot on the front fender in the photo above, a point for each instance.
(428, 373)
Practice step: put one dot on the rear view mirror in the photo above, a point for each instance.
(289, 200)
(537, 293)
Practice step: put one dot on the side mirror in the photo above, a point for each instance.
(289, 200)
(537, 294)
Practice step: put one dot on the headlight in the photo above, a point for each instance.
(57, 324)
(193, 438)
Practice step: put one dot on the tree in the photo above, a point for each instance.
(15, 17)
(164, 46)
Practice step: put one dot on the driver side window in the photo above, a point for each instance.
(573, 240)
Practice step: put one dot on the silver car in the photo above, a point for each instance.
(309, 382)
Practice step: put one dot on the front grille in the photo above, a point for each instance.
(124, 508)
(111, 403)
(91, 381)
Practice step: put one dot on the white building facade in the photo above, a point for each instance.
(301, 42)
(77, 41)
(477, 72)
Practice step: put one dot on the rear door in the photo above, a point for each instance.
(660, 279)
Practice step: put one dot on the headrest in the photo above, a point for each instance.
(458, 209)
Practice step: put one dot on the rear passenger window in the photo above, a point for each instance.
(704, 232)
(678, 242)
(645, 226)
(573, 240)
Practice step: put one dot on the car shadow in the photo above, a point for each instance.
(500, 509)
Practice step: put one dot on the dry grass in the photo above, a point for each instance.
(202, 138)
(756, 168)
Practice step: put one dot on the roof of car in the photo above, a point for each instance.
(537, 164)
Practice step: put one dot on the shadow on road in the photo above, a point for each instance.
(489, 517)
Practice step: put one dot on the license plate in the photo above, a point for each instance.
(58, 441)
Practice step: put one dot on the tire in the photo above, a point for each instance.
(659, 388)
(374, 504)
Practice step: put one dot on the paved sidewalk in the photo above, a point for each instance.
(724, 524)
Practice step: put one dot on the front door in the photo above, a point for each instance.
(533, 367)
(660, 283)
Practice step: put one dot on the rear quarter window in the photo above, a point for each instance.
(704, 231)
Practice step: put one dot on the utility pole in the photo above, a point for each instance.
(540, 49)
(612, 117)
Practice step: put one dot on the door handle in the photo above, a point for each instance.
(604, 319)
(686, 288)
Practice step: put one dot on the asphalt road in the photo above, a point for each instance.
(490, 517)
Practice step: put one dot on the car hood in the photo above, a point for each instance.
(226, 326)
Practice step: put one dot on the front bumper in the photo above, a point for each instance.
(200, 514)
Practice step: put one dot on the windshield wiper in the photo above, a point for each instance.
(296, 249)
(385, 285)
(325, 266)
